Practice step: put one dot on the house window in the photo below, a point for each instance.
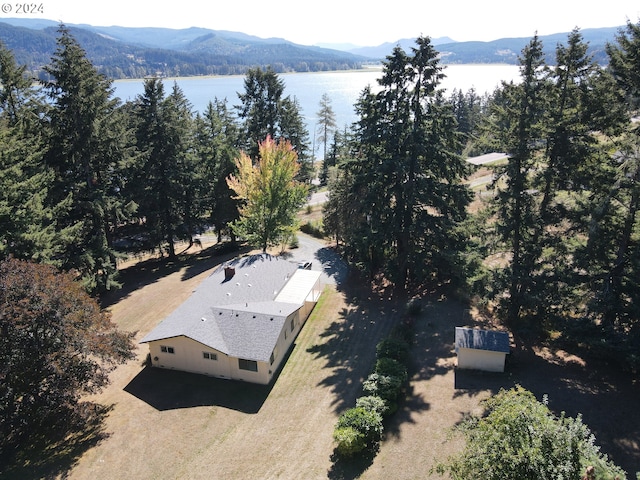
(210, 356)
(165, 349)
(272, 358)
(250, 365)
(293, 323)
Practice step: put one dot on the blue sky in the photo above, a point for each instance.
(358, 22)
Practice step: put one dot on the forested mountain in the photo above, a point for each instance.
(123, 52)
(120, 52)
(504, 50)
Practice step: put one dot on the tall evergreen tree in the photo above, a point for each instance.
(408, 166)
(294, 130)
(217, 137)
(610, 255)
(86, 145)
(516, 121)
(165, 171)
(624, 60)
(326, 123)
(582, 110)
(261, 107)
(266, 112)
(26, 227)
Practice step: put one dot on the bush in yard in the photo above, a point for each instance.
(373, 403)
(349, 441)
(386, 387)
(395, 348)
(519, 437)
(391, 368)
(315, 228)
(367, 423)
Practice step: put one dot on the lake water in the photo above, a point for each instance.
(343, 87)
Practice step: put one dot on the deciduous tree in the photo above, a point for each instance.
(56, 345)
(519, 437)
(269, 193)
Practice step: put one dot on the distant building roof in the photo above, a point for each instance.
(487, 158)
(240, 315)
(477, 339)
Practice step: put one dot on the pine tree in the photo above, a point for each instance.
(326, 123)
(407, 162)
(261, 107)
(26, 229)
(86, 145)
(165, 171)
(266, 112)
(516, 121)
(217, 138)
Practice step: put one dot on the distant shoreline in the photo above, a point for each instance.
(367, 69)
(204, 77)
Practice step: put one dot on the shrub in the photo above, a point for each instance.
(519, 437)
(349, 441)
(373, 403)
(384, 386)
(394, 348)
(366, 422)
(314, 229)
(389, 367)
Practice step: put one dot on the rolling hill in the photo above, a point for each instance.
(124, 52)
(121, 52)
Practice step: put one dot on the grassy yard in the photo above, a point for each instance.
(172, 425)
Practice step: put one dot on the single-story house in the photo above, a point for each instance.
(240, 322)
(481, 349)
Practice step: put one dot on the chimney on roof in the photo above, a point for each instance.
(229, 272)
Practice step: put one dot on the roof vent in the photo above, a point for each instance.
(229, 272)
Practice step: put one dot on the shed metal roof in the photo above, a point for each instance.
(474, 338)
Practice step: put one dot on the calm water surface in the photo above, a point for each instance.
(343, 87)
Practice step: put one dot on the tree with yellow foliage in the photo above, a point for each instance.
(269, 194)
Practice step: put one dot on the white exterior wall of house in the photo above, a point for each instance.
(188, 356)
(481, 359)
(285, 341)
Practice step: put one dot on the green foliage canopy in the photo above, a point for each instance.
(270, 194)
(56, 344)
(519, 437)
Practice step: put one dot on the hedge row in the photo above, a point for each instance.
(361, 427)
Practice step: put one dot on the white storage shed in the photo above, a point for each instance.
(481, 349)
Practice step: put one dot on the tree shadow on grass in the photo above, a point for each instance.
(350, 468)
(171, 389)
(348, 345)
(147, 272)
(53, 451)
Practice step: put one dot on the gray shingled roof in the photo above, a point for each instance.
(477, 339)
(237, 316)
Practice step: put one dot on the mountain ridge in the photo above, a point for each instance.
(134, 52)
